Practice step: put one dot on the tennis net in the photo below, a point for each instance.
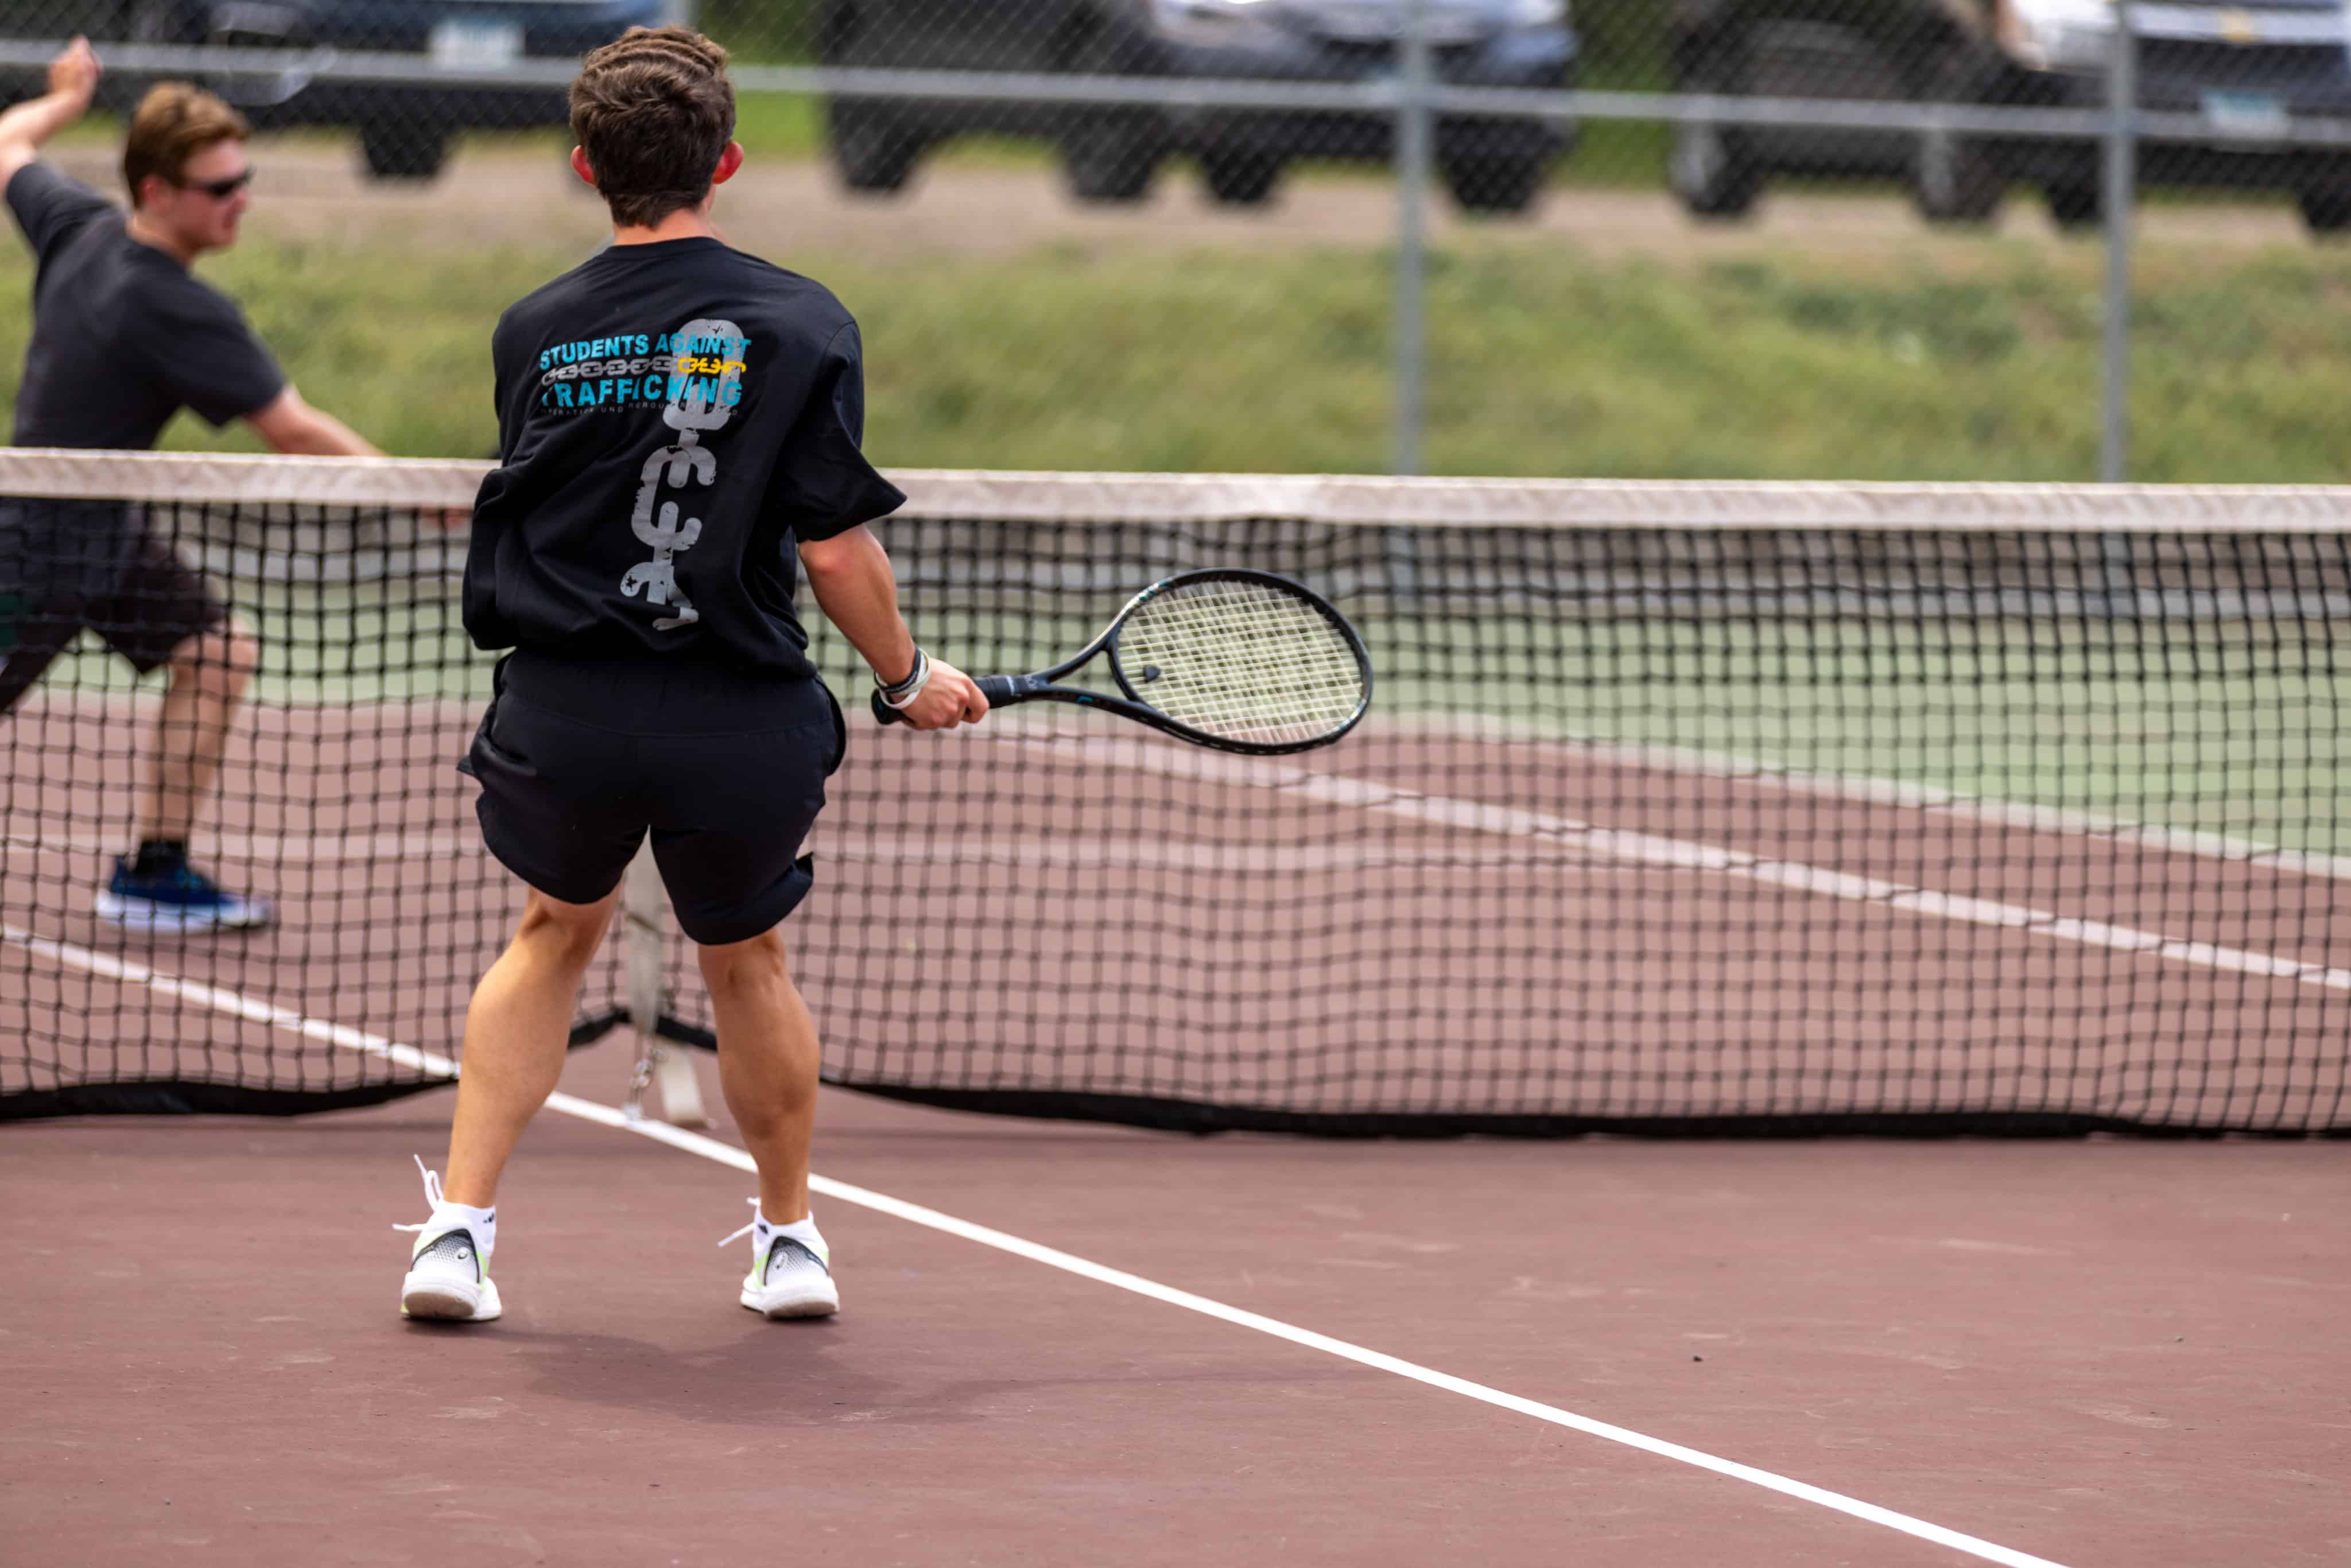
(1682, 807)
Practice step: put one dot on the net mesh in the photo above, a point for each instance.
(1680, 809)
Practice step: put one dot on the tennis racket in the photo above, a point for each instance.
(1238, 660)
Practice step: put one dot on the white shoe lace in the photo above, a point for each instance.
(432, 1192)
(741, 1234)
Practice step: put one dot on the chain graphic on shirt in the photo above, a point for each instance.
(696, 404)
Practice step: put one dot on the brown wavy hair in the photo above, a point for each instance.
(653, 111)
(173, 123)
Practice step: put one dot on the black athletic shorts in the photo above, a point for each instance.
(67, 566)
(725, 767)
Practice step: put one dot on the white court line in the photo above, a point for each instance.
(240, 1006)
(1870, 791)
(1677, 854)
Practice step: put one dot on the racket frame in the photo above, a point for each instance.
(1007, 691)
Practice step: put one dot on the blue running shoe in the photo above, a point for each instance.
(180, 899)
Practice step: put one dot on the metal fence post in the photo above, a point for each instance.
(1413, 160)
(2120, 188)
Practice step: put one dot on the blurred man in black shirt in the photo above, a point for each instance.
(678, 438)
(124, 336)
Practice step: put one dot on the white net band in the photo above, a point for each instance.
(1333, 500)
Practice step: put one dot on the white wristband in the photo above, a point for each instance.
(921, 678)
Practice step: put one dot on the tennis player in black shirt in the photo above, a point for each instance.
(124, 336)
(678, 425)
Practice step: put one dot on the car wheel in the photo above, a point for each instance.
(2074, 205)
(2326, 209)
(394, 151)
(1110, 154)
(1111, 158)
(1712, 168)
(1494, 184)
(871, 150)
(1240, 179)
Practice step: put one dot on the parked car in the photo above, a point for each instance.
(1113, 152)
(2245, 65)
(404, 128)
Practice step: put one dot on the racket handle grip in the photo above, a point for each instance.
(995, 688)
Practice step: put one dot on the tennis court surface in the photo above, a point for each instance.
(1682, 810)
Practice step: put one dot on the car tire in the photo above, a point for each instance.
(1500, 185)
(2074, 205)
(1110, 154)
(1240, 179)
(2326, 209)
(1111, 158)
(870, 153)
(1712, 168)
(392, 150)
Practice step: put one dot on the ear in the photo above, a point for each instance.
(728, 161)
(579, 164)
(152, 186)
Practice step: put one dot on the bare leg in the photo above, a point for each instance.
(209, 674)
(767, 1066)
(516, 1032)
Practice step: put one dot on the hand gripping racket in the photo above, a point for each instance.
(1238, 660)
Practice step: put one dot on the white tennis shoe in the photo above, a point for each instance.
(449, 1268)
(790, 1277)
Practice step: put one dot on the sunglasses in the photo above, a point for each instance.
(220, 190)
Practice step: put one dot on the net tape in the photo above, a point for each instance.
(1335, 500)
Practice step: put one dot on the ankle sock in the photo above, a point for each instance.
(804, 1231)
(482, 1224)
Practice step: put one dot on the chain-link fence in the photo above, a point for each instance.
(1971, 114)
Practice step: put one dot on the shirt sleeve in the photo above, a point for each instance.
(51, 207)
(203, 352)
(824, 486)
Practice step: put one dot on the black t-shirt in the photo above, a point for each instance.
(123, 335)
(674, 419)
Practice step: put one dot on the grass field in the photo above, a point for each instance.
(1542, 361)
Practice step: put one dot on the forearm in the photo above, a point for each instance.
(26, 128)
(850, 575)
(292, 426)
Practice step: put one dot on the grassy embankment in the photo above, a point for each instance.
(1543, 362)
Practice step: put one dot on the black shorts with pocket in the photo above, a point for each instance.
(578, 761)
(70, 565)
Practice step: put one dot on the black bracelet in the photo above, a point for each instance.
(890, 690)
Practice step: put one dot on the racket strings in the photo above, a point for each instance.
(1242, 661)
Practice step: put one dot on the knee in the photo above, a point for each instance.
(745, 965)
(568, 932)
